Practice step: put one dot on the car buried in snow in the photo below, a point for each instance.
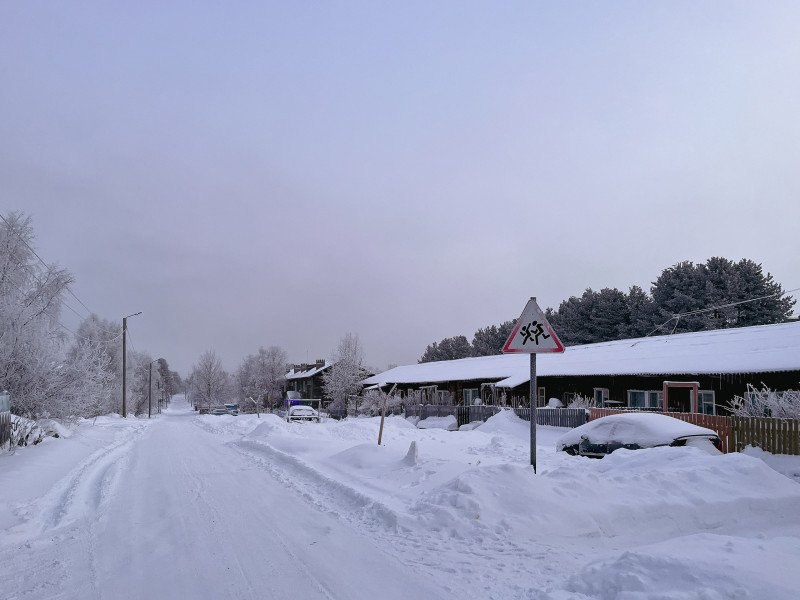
(302, 413)
(633, 431)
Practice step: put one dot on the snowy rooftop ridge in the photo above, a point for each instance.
(759, 349)
(310, 372)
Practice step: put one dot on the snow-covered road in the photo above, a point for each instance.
(169, 511)
(190, 506)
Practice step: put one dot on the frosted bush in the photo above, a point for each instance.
(582, 402)
(766, 402)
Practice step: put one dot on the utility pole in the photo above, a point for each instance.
(124, 370)
(124, 365)
(150, 392)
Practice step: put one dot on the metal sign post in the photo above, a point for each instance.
(534, 396)
(532, 334)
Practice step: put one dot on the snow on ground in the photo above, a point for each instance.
(214, 506)
(467, 503)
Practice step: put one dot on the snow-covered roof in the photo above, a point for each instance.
(758, 349)
(292, 374)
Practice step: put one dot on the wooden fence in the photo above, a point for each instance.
(779, 436)
(555, 417)
(5, 419)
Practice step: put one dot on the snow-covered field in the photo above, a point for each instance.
(241, 507)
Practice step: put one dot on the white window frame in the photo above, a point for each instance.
(701, 403)
(475, 393)
(648, 403)
(604, 396)
(541, 396)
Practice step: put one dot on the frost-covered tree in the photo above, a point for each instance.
(347, 371)
(106, 338)
(260, 376)
(44, 380)
(209, 381)
(373, 402)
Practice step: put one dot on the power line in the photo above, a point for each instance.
(677, 316)
(49, 268)
(60, 324)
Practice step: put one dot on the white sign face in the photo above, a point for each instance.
(532, 333)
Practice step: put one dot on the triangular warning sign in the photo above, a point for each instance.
(532, 333)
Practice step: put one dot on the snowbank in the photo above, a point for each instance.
(696, 567)
(782, 463)
(468, 505)
(449, 423)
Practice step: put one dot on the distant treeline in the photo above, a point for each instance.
(716, 294)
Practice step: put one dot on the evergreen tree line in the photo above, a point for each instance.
(610, 314)
(50, 371)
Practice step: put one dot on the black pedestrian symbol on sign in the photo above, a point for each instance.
(532, 331)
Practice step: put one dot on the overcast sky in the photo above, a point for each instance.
(250, 174)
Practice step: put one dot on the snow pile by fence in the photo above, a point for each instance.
(468, 503)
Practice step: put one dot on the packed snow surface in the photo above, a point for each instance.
(644, 429)
(242, 507)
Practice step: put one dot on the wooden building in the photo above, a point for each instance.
(307, 380)
(699, 372)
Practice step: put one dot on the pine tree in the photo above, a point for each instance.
(448, 349)
(489, 340)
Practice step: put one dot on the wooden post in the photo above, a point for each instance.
(383, 416)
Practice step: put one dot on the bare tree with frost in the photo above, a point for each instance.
(345, 375)
(209, 380)
(260, 377)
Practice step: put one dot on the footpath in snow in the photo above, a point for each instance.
(189, 506)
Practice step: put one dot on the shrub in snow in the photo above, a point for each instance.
(372, 402)
(765, 402)
(24, 432)
(582, 402)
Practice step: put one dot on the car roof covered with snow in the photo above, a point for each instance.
(643, 429)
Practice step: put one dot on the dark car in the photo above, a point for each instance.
(634, 431)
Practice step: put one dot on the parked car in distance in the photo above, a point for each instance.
(219, 410)
(303, 413)
(634, 431)
(232, 408)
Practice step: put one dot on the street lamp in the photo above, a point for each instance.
(124, 357)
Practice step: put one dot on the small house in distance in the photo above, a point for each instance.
(307, 379)
(698, 372)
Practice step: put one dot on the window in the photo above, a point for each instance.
(540, 397)
(705, 402)
(470, 395)
(600, 396)
(645, 399)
